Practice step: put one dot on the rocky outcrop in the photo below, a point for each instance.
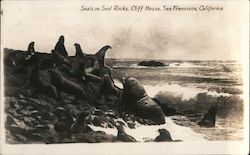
(56, 98)
(151, 63)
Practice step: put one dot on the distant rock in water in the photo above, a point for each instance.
(151, 63)
(209, 118)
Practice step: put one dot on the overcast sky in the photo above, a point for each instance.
(155, 35)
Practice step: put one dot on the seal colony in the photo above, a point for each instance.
(55, 98)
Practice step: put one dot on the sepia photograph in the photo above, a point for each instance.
(124, 77)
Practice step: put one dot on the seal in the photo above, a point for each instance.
(93, 63)
(100, 55)
(59, 59)
(60, 46)
(108, 87)
(164, 136)
(209, 118)
(136, 100)
(79, 125)
(23, 58)
(79, 52)
(41, 82)
(65, 85)
(123, 136)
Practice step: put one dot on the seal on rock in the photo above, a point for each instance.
(164, 136)
(123, 136)
(94, 63)
(78, 50)
(101, 54)
(59, 59)
(65, 85)
(108, 87)
(209, 118)
(60, 46)
(41, 82)
(136, 100)
(22, 58)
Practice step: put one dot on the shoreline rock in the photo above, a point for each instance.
(151, 63)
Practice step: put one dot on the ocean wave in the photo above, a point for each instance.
(185, 65)
(192, 101)
(167, 65)
(185, 93)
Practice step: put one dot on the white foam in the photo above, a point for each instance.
(183, 65)
(176, 90)
(118, 83)
(146, 132)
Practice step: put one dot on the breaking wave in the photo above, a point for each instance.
(185, 93)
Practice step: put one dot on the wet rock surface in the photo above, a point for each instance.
(45, 103)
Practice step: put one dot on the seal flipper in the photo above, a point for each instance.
(101, 54)
(60, 46)
(78, 50)
(31, 48)
(30, 51)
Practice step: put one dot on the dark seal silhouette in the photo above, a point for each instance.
(59, 59)
(123, 136)
(136, 100)
(66, 85)
(60, 47)
(164, 136)
(108, 87)
(78, 50)
(209, 118)
(23, 58)
(41, 82)
(101, 54)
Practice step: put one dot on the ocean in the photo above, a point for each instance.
(193, 86)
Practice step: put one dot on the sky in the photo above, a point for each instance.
(179, 35)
